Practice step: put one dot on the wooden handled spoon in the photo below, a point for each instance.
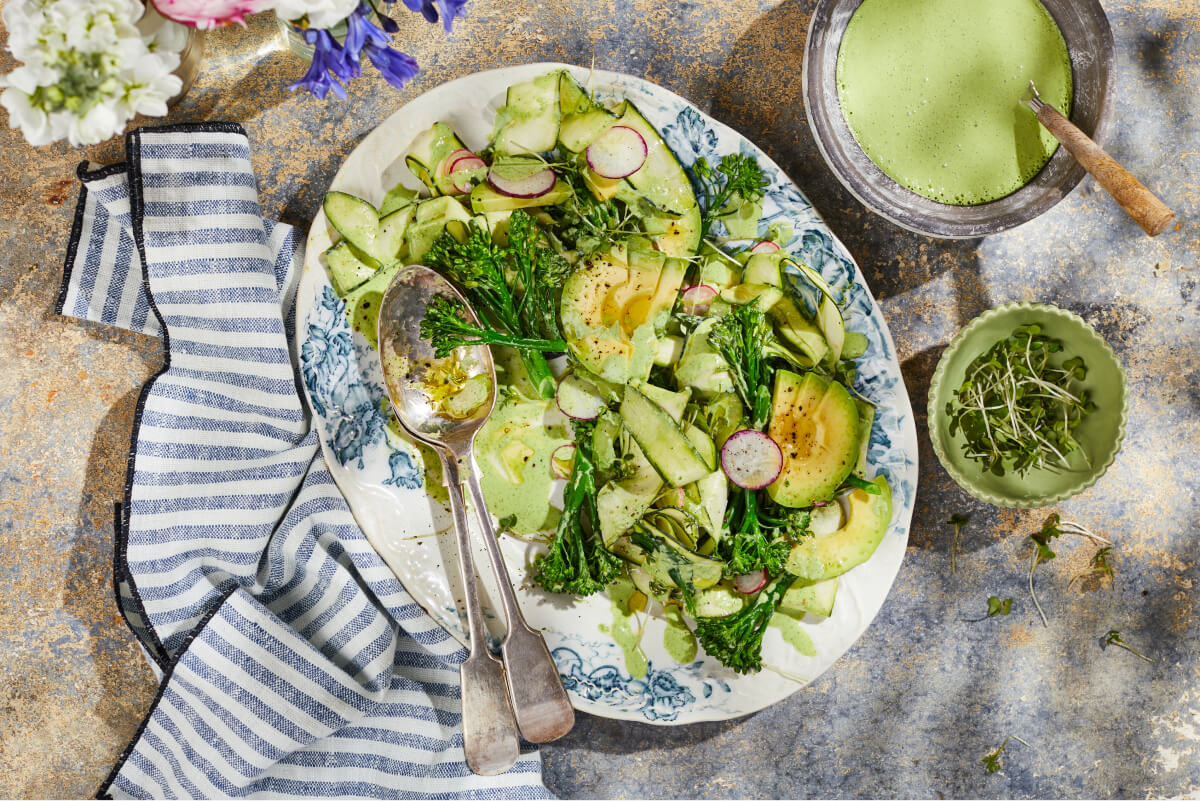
(1141, 204)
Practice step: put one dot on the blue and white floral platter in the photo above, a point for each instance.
(382, 476)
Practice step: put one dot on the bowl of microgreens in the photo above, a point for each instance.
(1027, 406)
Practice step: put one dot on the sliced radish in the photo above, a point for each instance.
(465, 170)
(578, 399)
(750, 583)
(751, 459)
(618, 152)
(697, 299)
(562, 460)
(765, 246)
(450, 160)
(522, 182)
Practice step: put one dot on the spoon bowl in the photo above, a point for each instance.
(409, 361)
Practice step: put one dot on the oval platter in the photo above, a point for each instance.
(382, 474)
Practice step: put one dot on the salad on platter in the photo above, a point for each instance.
(676, 423)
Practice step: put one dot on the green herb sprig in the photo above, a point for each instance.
(1113, 637)
(1016, 410)
(996, 606)
(991, 761)
(957, 520)
(735, 174)
(1053, 528)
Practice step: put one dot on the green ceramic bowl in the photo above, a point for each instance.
(1100, 434)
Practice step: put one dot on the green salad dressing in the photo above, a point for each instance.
(793, 633)
(625, 631)
(513, 450)
(931, 90)
(678, 639)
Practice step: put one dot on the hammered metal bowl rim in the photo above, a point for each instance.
(824, 127)
(935, 414)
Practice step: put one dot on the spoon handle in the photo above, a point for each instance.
(489, 730)
(539, 699)
(1141, 204)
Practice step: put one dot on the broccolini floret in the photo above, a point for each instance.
(577, 562)
(736, 640)
(514, 288)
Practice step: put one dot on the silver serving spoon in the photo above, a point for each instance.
(543, 709)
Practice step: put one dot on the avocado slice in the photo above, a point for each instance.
(815, 422)
(820, 557)
(610, 307)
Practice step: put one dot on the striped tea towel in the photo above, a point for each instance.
(293, 663)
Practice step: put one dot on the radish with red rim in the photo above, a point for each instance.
(579, 399)
(751, 459)
(522, 183)
(697, 299)
(617, 153)
(765, 246)
(562, 461)
(750, 583)
(465, 170)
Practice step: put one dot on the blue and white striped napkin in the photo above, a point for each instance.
(293, 663)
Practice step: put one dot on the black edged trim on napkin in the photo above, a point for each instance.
(168, 669)
(85, 175)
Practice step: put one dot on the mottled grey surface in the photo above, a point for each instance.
(912, 708)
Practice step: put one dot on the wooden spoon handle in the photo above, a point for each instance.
(1143, 206)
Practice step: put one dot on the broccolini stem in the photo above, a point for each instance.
(539, 371)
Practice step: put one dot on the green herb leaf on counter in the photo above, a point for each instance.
(991, 761)
(958, 521)
(1015, 410)
(1052, 528)
(1113, 637)
(996, 606)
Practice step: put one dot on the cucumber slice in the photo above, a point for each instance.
(362, 304)
(620, 504)
(763, 268)
(580, 130)
(673, 403)
(529, 120)
(664, 444)
(572, 97)
(744, 294)
(354, 218)
(866, 420)
(427, 152)
(397, 197)
(703, 444)
(431, 218)
(390, 239)
(473, 394)
(484, 199)
(346, 270)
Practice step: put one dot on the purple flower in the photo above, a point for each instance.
(429, 9)
(366, 33)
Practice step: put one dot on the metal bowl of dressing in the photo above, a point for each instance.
(1089, 41)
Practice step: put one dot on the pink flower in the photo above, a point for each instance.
(207, 14)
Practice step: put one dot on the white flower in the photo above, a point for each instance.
(320, 13)
(89, 67)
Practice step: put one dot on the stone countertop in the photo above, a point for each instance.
(923, 696)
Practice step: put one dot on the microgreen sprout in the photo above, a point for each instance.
(991, 762)
(996, 606)
(735, 174)
(1113, 637)
(958, 521)
(1053, 528)
(1015, 410)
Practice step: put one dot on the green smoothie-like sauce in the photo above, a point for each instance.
(931, 90)
(793, 633)
(513, 451)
